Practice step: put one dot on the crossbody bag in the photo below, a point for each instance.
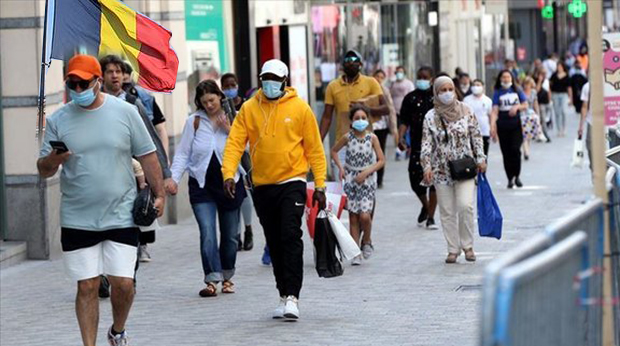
(460, 169)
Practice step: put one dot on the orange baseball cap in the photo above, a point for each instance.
(84, 67)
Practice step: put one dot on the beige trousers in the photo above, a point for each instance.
(456, 208)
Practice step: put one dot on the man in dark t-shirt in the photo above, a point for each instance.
(415, 106)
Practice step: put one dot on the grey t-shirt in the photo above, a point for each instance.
(97, 181)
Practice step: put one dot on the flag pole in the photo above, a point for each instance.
(44, 64)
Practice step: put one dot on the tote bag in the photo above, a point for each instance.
(490, 218)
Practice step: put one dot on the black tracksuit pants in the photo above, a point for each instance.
(510, 141)
(280, 209)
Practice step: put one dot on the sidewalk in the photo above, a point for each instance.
(404, 295)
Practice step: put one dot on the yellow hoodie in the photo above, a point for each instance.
(284, 140)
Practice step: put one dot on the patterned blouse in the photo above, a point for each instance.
(437, 152)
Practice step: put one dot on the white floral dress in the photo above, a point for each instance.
(464, 139)
(360, 156)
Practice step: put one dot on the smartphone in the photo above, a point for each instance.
(60, 147)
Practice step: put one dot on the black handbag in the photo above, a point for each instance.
(144, 211)
(460, 169)
(463, 169)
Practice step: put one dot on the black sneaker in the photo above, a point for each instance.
(430, 224)
(511, 184)
(518, 182)
(422, 217)
(104, 287)
(239, 243)
(248, 243)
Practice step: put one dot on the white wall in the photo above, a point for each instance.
(457, 26)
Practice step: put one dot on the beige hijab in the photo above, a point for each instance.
(452, 111)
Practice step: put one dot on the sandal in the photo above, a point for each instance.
(470, 256)
(228, 287)
(451, 258)
(209, 291)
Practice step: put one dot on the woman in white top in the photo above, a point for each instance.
(200, 153)
(481, 105)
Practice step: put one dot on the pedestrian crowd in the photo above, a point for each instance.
(255, 154)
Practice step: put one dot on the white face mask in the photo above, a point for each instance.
(446, 97)
(477, 89)
(506, 85)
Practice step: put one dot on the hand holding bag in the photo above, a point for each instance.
(490, 218)
(144, 212)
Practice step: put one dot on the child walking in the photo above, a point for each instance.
(363, 158)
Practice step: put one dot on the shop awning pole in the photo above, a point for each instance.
(595, 43)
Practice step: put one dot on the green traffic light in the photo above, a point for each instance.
(547, 12)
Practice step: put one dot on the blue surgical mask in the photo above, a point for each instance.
(84, 98)
(272, 89)
(400, 76)
(423, 84)
(360, 125)
(231, 93)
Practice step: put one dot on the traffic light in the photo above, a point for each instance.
(547, 12)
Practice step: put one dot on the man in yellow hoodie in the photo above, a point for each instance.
(284, 142)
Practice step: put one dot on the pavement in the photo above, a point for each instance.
(404, 295)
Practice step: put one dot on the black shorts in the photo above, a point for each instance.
(75, 239)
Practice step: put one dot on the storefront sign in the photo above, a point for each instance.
(611, 75)
(204, 22)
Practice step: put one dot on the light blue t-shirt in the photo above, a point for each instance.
(97, 181)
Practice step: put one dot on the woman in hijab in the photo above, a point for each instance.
(451, 132)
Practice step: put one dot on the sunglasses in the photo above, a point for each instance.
(351, 59)
(83, 84)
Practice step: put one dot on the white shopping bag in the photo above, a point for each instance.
(348, 248)
(578, 153)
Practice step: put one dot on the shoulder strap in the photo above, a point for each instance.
(196, 123)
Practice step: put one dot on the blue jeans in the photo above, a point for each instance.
(218, 263)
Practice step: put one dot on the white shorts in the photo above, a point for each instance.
(107, 257)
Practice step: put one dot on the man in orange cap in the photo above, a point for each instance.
(94, 138)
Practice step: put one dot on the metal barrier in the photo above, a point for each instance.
(590, 219)
(535, 245)
(536, 301)
(529, 294)
(614, 226)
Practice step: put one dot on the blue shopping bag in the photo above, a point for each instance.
(489, 216)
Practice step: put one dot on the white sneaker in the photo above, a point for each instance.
(118, 339)
(279, 311)
(357, 260)
(145, 256)
(291, 309)
(367, 250)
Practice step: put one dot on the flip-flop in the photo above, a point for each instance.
(228, 287)
(209, 291)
